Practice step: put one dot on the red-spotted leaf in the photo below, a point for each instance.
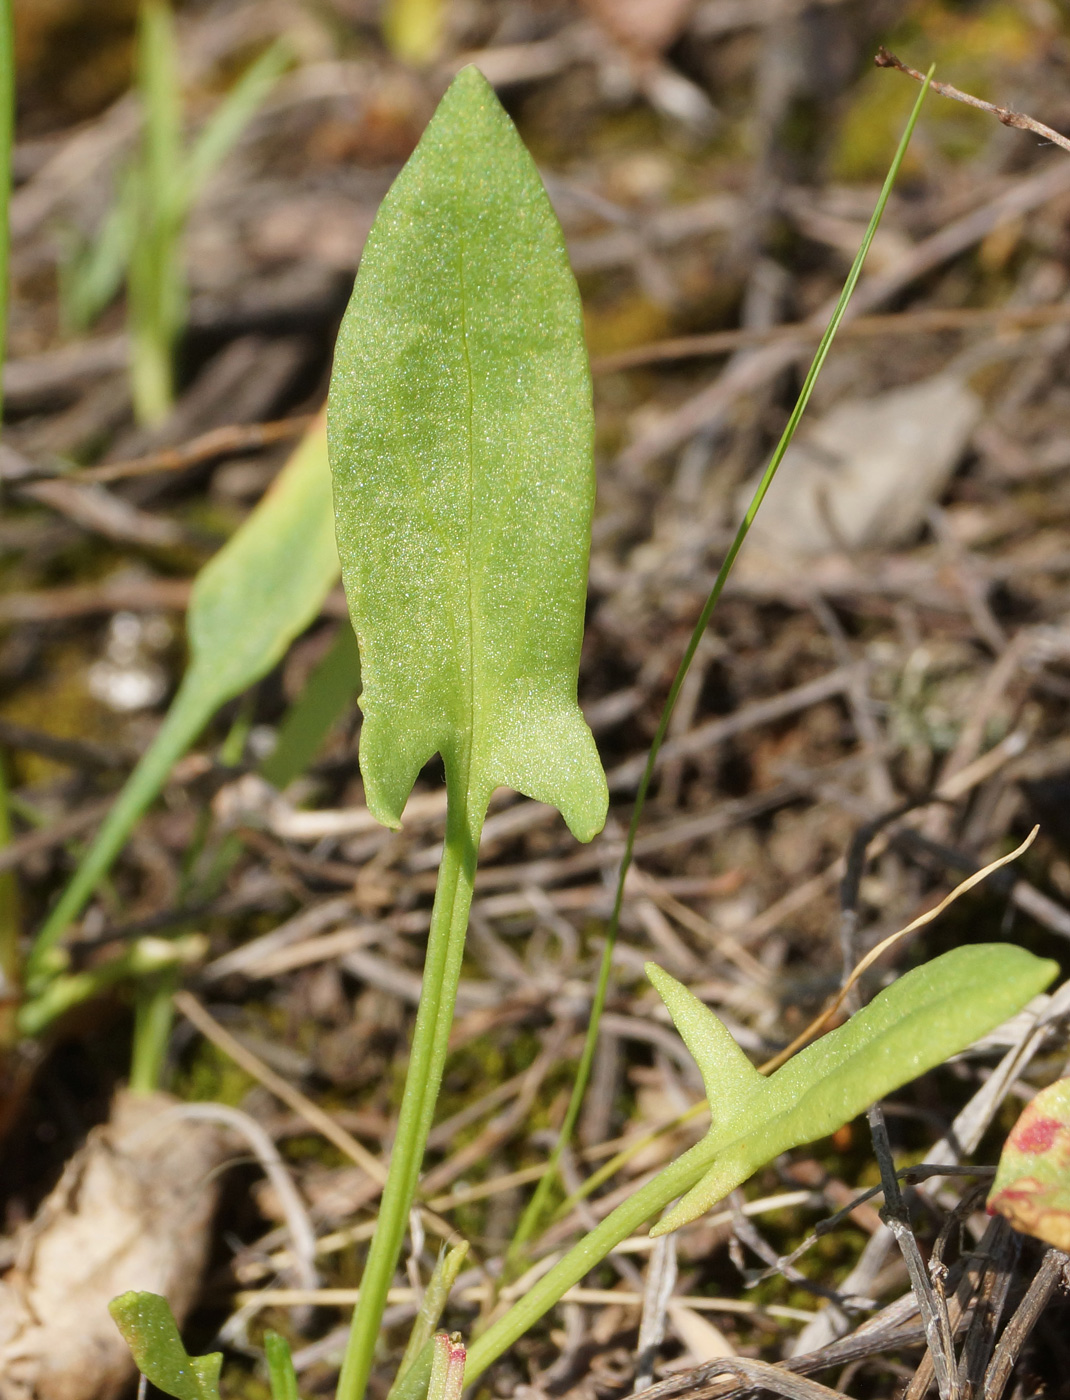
(1032, 1185)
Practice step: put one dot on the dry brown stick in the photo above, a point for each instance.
(707, 735)
(965, 1298)
(925, 322)
(83, 600)
(60, 831)
(980, 1339)
(1052, 1269)
(117, 595)
(220, 1037)
(92, 508)
(763, 1375)
(1006, 115)
(75, 753)
(293, 1098)
(30, 381)
(932, 1304)
(709, 406)
(240, 437)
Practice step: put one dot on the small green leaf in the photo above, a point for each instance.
(928, 1014)
(932, 1012)
(249, 601)
(1032, 1185)
(436, 1296)
(461, 431)
(281, 1371)
(148, 1326)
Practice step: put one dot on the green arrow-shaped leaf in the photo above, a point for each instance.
(461, 443)
(930, 1013)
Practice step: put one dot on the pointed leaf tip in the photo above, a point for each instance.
(728, 1075)
(150, 1331)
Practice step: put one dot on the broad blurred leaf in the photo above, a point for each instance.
(249, 601)
(1032, 1185)
(461, 426)
(149, 1328)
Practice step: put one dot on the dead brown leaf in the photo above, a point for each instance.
(133, 1209)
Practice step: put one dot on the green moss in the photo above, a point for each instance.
(211, 1076)
(974, 50)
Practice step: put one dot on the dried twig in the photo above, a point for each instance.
(1052, 1271)
(927, 321)
(302, 1235)
(219, 442)
(710, 405)
(882, 947)
(660, 1282)
(75, 753)
(61, 831)
(884, 59)
(210, 1028)
(931, 1303)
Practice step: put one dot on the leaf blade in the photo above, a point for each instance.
(248, 603)
(461, 428)
(1032, 1185)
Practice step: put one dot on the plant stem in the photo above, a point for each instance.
(677, 1178)
(154, 285)
(532, 1217)
(153, 1017)
(430, 1041)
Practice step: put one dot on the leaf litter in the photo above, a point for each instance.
(926, 652)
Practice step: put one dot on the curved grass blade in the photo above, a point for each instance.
(461, 432)
(934, 1011)
(531, 1219)
(249, 602)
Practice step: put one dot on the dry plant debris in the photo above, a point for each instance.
(134, 1204)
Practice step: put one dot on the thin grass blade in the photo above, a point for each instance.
(531, 1220)
(223, 129)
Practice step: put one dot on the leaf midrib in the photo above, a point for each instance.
(468, 735)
